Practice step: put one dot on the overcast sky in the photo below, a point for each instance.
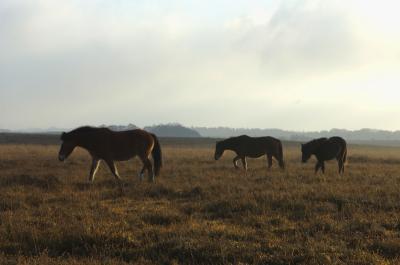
(290, 64)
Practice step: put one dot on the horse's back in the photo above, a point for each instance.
(269, 139)
(136, 137)
(248, 140)
(136, 133)
(338, 140)
(257, 146)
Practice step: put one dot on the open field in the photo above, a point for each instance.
(199, 211)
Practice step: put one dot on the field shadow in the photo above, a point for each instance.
(10, 203)
(162, 219)
(72, 244)
(367, 159)
(86, 185)
(49, 182)
(159, 191)
(389, 249)
(226, 209)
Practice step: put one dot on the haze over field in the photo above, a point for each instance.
(294, 65)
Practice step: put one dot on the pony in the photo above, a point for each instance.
(110, 146)
(325, 149)
(246, 146)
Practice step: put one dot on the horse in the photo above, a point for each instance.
(110, 146)
(325, 149)
(254, 147)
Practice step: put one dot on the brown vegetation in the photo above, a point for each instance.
(199, 211)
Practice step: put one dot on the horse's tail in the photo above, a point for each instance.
(280, 155)
(157, 155)
(345, 156)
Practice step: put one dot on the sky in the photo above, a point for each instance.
(291, 64)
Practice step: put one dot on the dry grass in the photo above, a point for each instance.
(199, 211)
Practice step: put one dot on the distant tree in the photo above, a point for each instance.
(172, 130)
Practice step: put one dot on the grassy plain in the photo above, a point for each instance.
(199, 211)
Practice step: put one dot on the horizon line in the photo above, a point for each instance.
(59, 129)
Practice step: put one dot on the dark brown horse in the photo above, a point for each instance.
(325, 149)
(110, 146)
(246, 146)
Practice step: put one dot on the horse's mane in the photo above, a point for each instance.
(81, 130)
(85, 129)
(229, 141)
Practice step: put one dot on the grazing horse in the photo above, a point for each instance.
(246, 146)
(325, 149)
(110, 146)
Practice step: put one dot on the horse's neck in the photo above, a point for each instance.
(318, 144)
(229, 146)
(85, 141)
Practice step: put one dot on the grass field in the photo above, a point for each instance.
(199, 211)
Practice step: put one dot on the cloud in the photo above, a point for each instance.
(65, 63)
(299, 39)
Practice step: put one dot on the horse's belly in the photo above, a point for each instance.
(331, 153)
(121, 154)
(331, 156)
(123, 157)
(255, 155)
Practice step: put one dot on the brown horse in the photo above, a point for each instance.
(325, 149)
(110, 146)
(246, 146)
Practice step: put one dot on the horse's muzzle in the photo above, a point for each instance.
(61, 158)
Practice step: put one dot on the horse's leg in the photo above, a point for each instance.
(113, 169)
(323, 167)
(147, 165)
(235, 161)
(149, 168)
(280, 161)
(317, 166)
(344, 157)
(93, 169)
(244, 162)
(269, 158)
(141, 173)
(340, 165)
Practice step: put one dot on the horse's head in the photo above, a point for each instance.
(305, 153)
(219, 150)
(67, 146)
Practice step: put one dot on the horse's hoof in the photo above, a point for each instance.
(140, 176)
